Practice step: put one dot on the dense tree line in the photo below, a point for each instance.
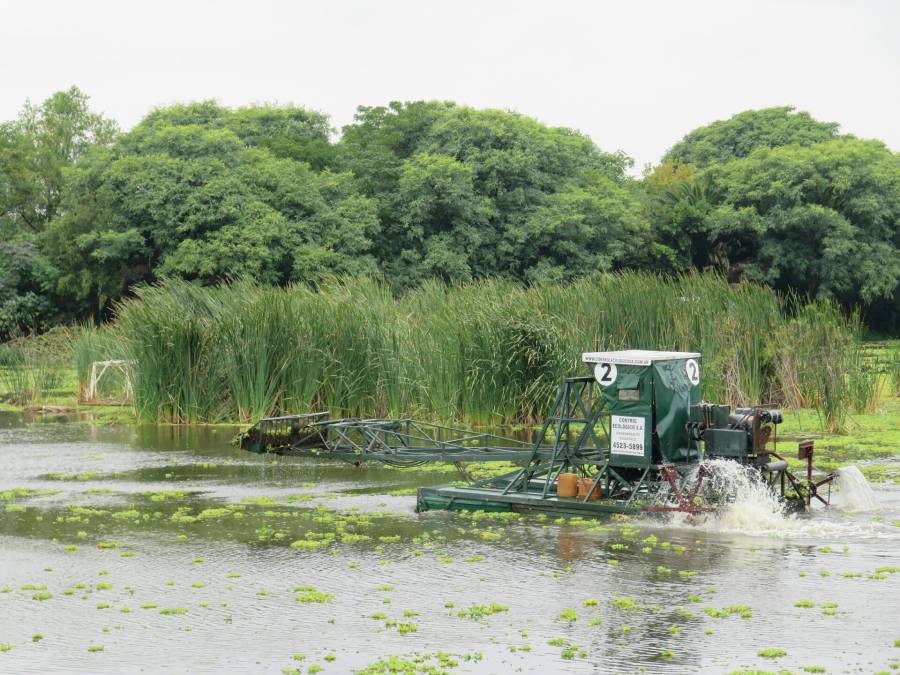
(428, 189)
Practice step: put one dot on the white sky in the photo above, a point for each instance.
(635, 76)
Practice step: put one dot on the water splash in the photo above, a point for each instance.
(748, 506)
(855, 492)
(748, 503)
(745, 503)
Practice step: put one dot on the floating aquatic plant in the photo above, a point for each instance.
(743, 611)
(405, 628)
(771, 653)
(625, 603)
(478, 612)
(308, 594)
(568, 614)
(571, 650)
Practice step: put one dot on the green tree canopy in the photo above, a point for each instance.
(206, 193)
(35, 150)
(428, 189)
(26, 303)
(467, 193)
(819, 219)
(287, 131)
(738, 136)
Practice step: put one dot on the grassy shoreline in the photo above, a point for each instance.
(429, 353)
(492, 352)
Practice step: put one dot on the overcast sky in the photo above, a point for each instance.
(635, 76)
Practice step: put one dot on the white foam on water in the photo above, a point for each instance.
(747, 503)
(748, 506)
(855, 492)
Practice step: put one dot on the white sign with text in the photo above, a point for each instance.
(627, 435)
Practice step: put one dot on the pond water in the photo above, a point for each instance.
(165, 549)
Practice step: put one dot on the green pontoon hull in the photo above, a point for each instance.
(453, 498)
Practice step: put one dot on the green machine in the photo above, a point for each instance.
(648, 396)
(635, 435)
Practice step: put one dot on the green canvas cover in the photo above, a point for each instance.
(630, 377)
(674, 394)
(652, 428)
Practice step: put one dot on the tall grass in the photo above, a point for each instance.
(821, 364)
(491, 351)
(26, 377)
(173, 336)
(90, 344)
(893, 368)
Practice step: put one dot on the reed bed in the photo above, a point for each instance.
(90, 343)
(27, 377)
(488, 352)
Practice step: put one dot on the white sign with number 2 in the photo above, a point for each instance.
(605, 373)
(692, 368)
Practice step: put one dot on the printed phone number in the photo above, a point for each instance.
(628, 446)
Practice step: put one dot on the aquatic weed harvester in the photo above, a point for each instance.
(636, 436)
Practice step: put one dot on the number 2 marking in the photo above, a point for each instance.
(605, 367)
(692, 369)
(605, 373)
